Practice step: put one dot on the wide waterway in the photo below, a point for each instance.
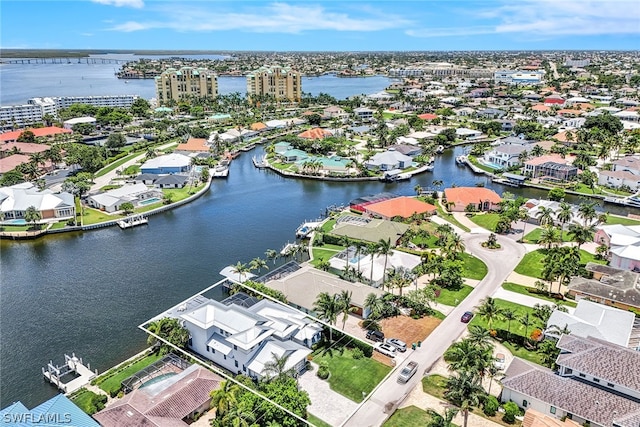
(87, 292)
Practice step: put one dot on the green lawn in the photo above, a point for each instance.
(13, 228)
(112, 166)
(317, 421)
(410, 416)
(328, 226)
(86, 400)
(94, 216)
(178, 194)
(429, 242)
(513, 287)
(442, 213)
(531, 264)
(523, 353)
(346, 373)
(613, 219)
(479, 165)
(434, 385)
(486, 220)
(473, 268)
(111, 381)
(323, 253)
(58, 225)
(453, 298)
(534, 235)
(516, 326)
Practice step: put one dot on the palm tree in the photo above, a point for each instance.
(525, 321)
(564, 214)
(493, 373)
(344, 299)
(437, 183)
(359, 246)
(454, 245)
(371, 250)
(327, 308)
(384, 248)
(271, 254)
(465, 392)
(545, 216)
(509, 315)
(479, 337)
(587, 211)
(581, 234)
(275, 369)
(323, 264)
(438, 420)
(258, 264)
(549, 236)
(417, 189)
(224, 398)
(32, 215)
(240, 269)
(375, 306)
(489, 311)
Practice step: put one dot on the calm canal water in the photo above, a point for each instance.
(87, 292)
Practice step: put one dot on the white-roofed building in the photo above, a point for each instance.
(624, 245)
(110, 201)
(68, 124)
(15, 200)
(591, 319)
(167, 164)
(398, 260)
(389, 160)
(244, 339)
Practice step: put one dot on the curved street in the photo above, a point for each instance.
(389, 393)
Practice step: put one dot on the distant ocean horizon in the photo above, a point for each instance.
(20, 82)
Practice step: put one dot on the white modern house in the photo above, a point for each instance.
(137, 194)
(624, 171)
(16, 199)
(389, 160)
(243, 339)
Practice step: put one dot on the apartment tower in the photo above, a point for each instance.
(184, 83)
(282, 83)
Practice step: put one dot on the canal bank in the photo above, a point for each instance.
(86, 292)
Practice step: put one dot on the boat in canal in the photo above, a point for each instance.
(133, 221)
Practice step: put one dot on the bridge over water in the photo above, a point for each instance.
(81, 60)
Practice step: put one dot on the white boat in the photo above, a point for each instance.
(440, 149)
(286, 250)
(132, 221)
(633, 201)
(461, 160)
(259, 162)
(220, 171)
(306, 228)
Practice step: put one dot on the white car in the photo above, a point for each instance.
(386, 349)
(400, 345)
(499, 361)
(407, 372)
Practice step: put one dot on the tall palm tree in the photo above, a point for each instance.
(525, 321)
(276, 370)
(564, 214)
(344, 299)
(384, 248)
(489, 311)
(327, 308)
(271, 254)
(587, 211)
(371, 250)
(454, 245)
(509, 315)
(224, 398)
(581, 234)
(549, 236)
(240, 269)
(545, 216)
(374, 304)
(479, 337)
(465, 392)
(258, 264)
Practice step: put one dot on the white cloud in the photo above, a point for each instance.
(120, 3)
(543, 18)
(273, 18)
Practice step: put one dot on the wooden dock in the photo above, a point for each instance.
(73, 366)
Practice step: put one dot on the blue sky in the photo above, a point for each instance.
(321, 25)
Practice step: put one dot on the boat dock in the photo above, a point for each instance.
(132, 221)
(307, 228)
(220, 172)
(260, 163)
(73, 367)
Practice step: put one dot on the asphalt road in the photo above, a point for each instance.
(389, 394)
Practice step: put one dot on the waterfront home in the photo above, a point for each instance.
(407, 147)
(482, 199)
(293, 155)
(258, 127)
(173, 401)
(590, 319)
(403, 207)
(277, 124)
(15, 200)
(303, 286)
(535, 205)
(171, 181)
(167, 164)
(326, 165)
(389, 160)
(469, 134)
(369, 229)
(533, 167)
(596, 383)
(505, 155)
(58, 411)
(137, 194)
(242, 339)
(624, 171)
(623, 242)
(615, 287)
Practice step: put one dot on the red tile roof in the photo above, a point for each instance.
(10, 163)
(428, 116)
(466, 195)
(193, 144)
(541, 107)
(38, 132)
(258, 126)
(400, 206)
(25, 147)
(315, 133)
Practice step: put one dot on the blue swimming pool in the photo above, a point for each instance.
(492, 165)
(18, 221)
(149, 201)
(157, 379)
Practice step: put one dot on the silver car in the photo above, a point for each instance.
(400, 345)
(386, 349)
(407, 372)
